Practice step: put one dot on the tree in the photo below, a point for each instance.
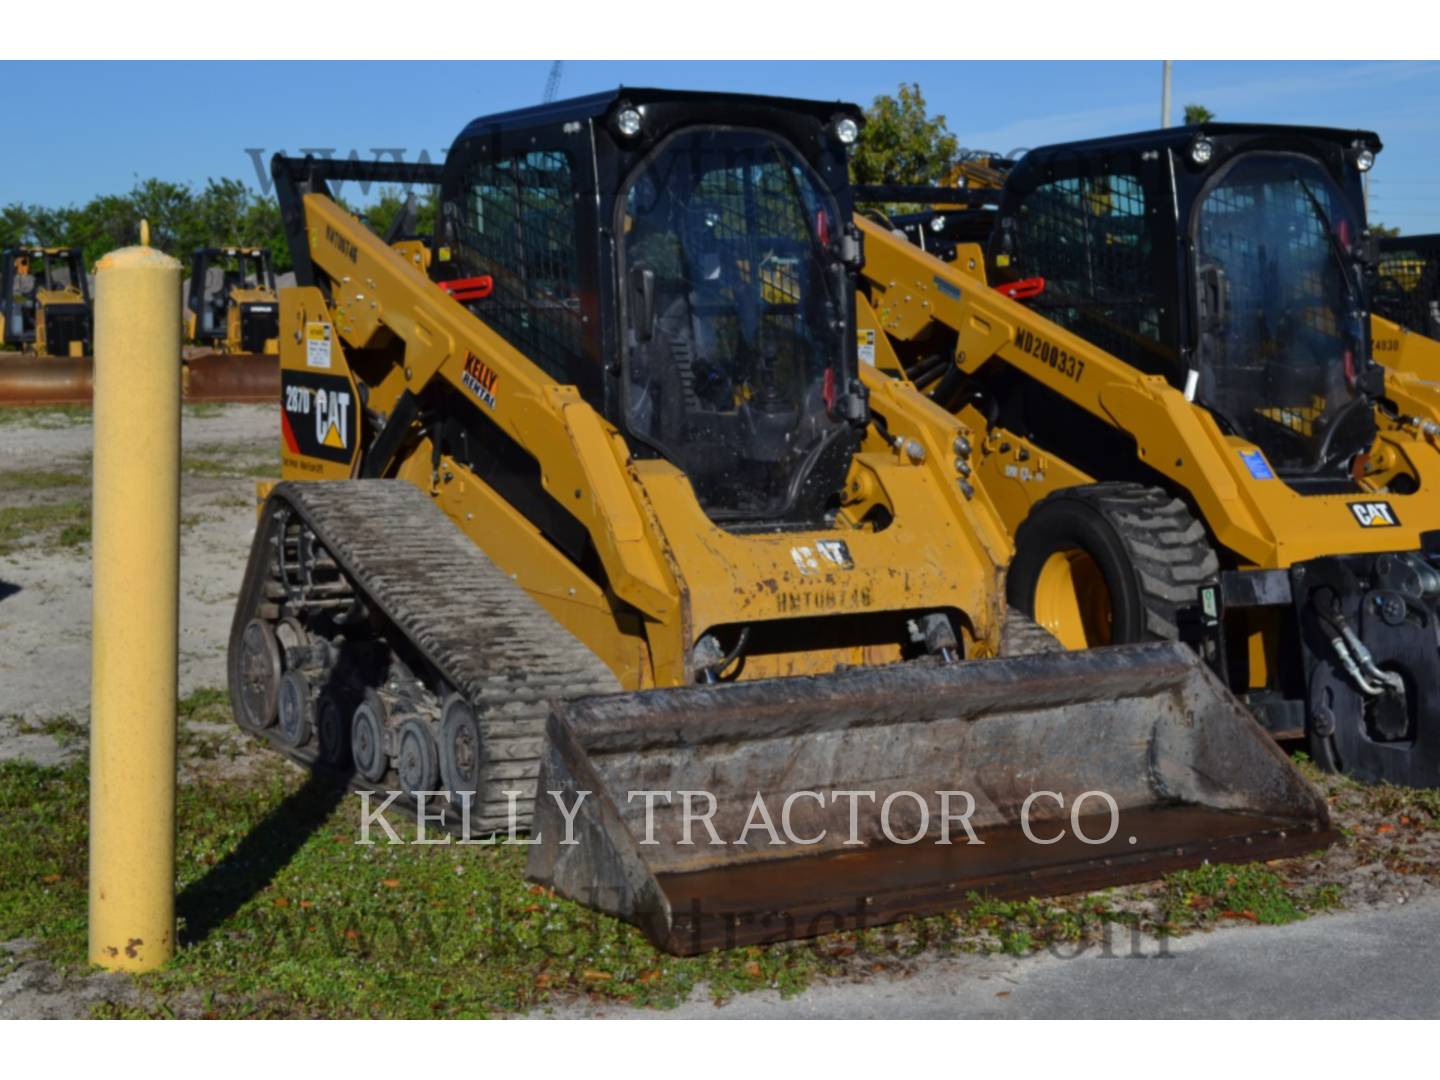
(1378, 229)
(1198, 114)
(901, 143)
(381, 214)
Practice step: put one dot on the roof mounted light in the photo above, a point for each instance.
(1364, 158)
(846, 130)
(629, 121)
(1202, 150)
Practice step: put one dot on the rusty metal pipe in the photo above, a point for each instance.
(69, 380)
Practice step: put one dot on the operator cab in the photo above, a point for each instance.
(687, 261)
(1256, 306)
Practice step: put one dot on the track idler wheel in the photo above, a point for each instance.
(367, 739)
(460, 748)
(415, 759)
(297, 710)
(260, 669)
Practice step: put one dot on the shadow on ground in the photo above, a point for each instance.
(263, 853)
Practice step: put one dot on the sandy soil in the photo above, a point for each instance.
(45, 584)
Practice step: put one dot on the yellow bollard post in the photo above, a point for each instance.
(135, 621)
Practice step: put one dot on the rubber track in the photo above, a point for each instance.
(1167, 545)
(484, 634)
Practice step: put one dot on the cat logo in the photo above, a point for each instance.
(332, 411)
(320, 418)
(1374, 515)
(835, 552)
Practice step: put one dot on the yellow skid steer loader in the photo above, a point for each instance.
(1164, 351)
(593, 524)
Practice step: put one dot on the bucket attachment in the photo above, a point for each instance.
(786, 808)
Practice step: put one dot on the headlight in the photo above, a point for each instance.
(1364, 158)
(628, 121)
(1201, 151)
(847, 131)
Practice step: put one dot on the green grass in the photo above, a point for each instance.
(65, 730)
(283, 914)
(41, 479)
(1201, 896)
(64, 523)
(237, 465)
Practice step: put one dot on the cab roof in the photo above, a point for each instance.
(597, 106)
(1179, 137)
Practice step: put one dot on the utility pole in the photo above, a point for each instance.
(1165, 96)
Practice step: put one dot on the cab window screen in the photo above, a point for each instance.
(1285, 342)
(733, 375)
(518, 226)
(1089, 238)
(1406, 286)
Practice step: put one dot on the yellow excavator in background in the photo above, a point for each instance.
(1164, 348)
(46, 301)
(232, 305)
(592, 520)
(1405, 295)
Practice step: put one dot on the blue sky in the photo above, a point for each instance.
(190, 121)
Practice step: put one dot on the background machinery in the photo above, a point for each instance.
(608, 432)
(1405, 296)
(1163, 346)
(232, 305)
(46, 298)
(47, 318)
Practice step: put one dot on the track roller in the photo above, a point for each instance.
(367, 739)
(296, 709)
(415, 757)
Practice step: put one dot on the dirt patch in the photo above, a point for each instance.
(45, 552)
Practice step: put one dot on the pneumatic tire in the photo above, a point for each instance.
(1109, 564)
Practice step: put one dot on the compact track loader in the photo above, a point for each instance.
(1164, 349)
(1405, 295)
(46, 299)
(592, 524)
(232, 305)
